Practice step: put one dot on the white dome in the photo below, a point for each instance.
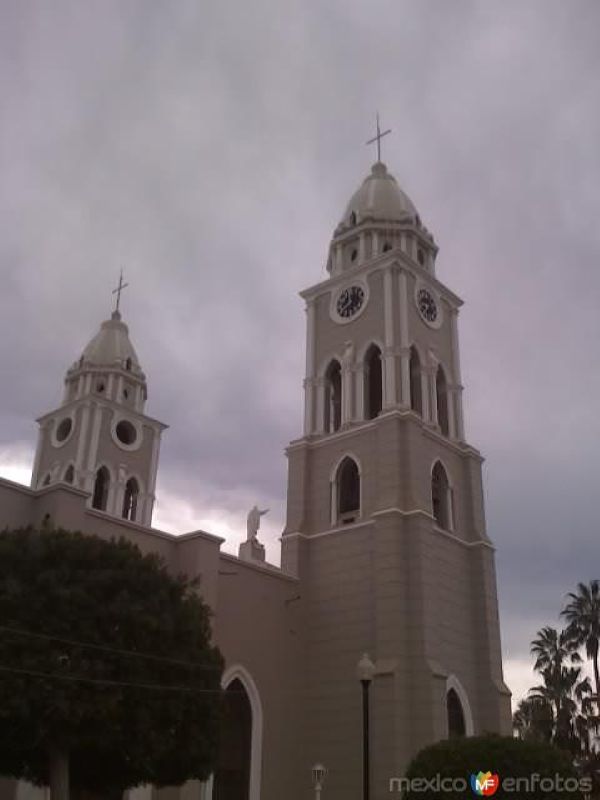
(379, 197)
(111, 346)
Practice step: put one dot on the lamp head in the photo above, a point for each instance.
(318, 773)
(365, 669)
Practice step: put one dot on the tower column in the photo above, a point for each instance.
(374, 244)
(458, 412)
(80, 456)
(429, 373)
(348, 371)
(93, 451)
(309, 387)
(149, 504)
(361, 248)
(405, 376)
(404, 342)
(359, 390)
(390, 395)
(457, 393)
(451, 395)
(320, 398)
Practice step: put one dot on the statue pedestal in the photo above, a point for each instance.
(252, 550)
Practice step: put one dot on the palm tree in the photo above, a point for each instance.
(563, 691)
(552, 650)
(582, 613)
(534, 719)
(555, 653)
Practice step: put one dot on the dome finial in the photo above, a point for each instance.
(378, 138)
(116, 313)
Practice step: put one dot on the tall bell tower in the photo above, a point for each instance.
(385, 519)
(100, 439)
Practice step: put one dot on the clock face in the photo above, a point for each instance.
(350, 300)
(427, 305)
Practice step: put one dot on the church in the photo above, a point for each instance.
(384, 551)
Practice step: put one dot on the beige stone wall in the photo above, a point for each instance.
(259, 626)
(331, 337)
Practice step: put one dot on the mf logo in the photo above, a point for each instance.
(484, 784)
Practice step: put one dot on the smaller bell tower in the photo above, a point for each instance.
(100, 439)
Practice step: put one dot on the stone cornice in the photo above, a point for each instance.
(108, 404)
(355, 428)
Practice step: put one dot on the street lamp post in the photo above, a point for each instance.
(318, 773)
(365, 671)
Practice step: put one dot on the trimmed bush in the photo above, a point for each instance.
(450, 769)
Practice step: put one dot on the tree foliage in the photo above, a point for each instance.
(562, 709)
(106, 656)
(582, 613)
(504, 756)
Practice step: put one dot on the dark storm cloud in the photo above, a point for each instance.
(210, 149)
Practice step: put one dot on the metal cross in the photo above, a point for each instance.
(119, 289)
(378, 138)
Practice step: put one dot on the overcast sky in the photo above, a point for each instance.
(210, 148)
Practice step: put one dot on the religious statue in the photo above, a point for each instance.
(253, 521)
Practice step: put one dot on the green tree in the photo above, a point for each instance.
(509, 758)
(106, 664)
(582, 613)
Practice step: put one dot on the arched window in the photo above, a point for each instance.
(69, 474)
(46, 480)
(456, 717)
(348, 490)
(101, 484)
(130, 499)
(441, 498)
(373, 382)
(233, 772)
(353, 218)
(333, 397)
(416, 398)
(128, 365)
(441, 392)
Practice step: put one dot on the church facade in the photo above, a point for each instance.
(384, 550)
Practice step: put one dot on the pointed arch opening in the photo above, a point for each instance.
(347, 491)
(373, 378)
(239, 761)
(232, 778)
(416, 396)
(101, 485)
(130, 500)
(333, 397)
(441, 497)
(457, 727)
(69, 476)
(459, 716)
(441, 393)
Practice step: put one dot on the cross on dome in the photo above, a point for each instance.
(118, 291)
(378, 138)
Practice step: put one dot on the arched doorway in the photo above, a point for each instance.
(232, 779)
(456, 718)
(238, 772)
